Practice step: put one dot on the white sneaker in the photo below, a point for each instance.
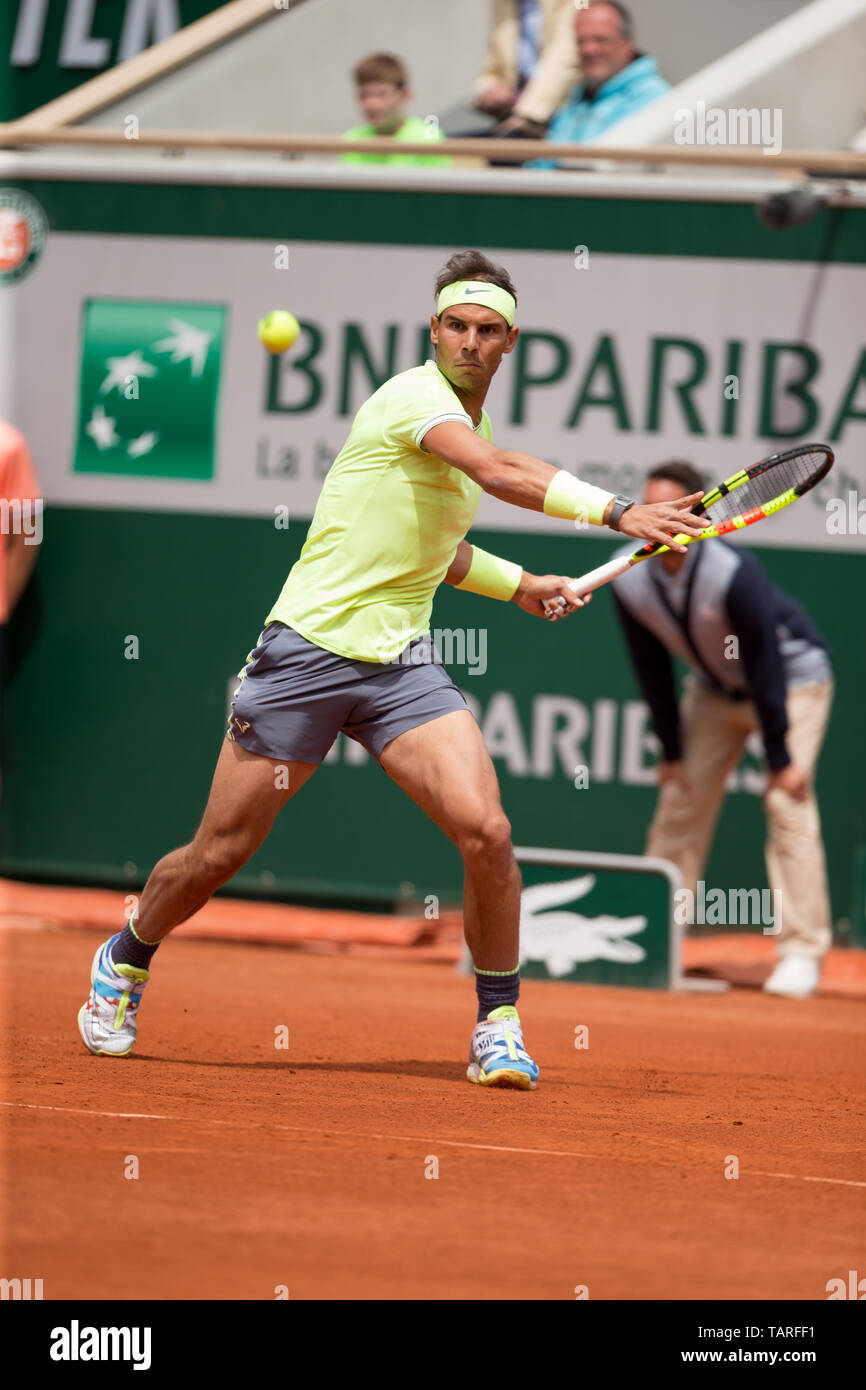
(497, 1054)
(795, 976)
(107, 1022)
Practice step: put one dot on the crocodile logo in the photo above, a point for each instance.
(561, 939)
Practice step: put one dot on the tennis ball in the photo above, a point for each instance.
(278, 330)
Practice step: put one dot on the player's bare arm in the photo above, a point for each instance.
(524, 481)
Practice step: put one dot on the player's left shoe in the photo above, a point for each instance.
(107, 1022)
(497, 1055)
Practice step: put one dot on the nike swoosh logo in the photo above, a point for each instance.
(484, 291)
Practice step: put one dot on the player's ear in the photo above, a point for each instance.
(511, 339)
(434, 329)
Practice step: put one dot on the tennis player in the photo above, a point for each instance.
(347, 647)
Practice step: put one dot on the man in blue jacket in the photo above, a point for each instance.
(758, 664)
(616, 79)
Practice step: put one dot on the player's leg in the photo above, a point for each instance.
(796, 866)
(285, 716)
(246, 794)
(713, 733)
(445, 767)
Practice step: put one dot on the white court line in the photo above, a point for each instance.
(448, 1143)
(108, 1114)
(801, 1177)
(388, 1138)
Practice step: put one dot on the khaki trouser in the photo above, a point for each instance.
(714, 731)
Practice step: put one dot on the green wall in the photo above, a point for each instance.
(108, 760)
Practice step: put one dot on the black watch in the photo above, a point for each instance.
(620, 507)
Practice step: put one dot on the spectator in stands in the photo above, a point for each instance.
(757, 663)
(20, 524)
(530, 66)
(617, 79)
(383, 94)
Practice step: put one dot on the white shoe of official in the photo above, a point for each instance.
(795, 976)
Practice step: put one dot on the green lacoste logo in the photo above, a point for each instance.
(149, 388)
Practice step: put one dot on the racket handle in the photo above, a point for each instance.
(602, 575)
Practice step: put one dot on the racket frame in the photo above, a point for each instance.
(603, 574)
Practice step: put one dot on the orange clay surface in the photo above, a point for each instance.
(307, 1167)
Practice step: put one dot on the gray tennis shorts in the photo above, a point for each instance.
(294, 697)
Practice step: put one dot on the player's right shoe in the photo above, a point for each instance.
(497, 1056)
(107, 1022)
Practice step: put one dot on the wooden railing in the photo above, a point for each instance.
(836, 163)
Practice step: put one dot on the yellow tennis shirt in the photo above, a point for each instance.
(386, 527)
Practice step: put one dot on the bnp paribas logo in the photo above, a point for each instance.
(149, 388)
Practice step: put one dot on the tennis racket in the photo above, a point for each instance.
(741, 500)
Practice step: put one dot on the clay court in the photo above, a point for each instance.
(305, 1167)
(327, 326)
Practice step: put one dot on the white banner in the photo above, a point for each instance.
(635, 359)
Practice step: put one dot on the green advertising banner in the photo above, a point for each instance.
(136, 414)
(51, 46)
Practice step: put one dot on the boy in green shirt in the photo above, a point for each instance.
(383, 94)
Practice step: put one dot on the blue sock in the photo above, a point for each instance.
(129, 949)
(495, 988)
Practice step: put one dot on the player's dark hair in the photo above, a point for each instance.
(678, 471)
(381, 67)
(473, 265)
(626, 23)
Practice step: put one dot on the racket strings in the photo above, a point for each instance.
(766, 486)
